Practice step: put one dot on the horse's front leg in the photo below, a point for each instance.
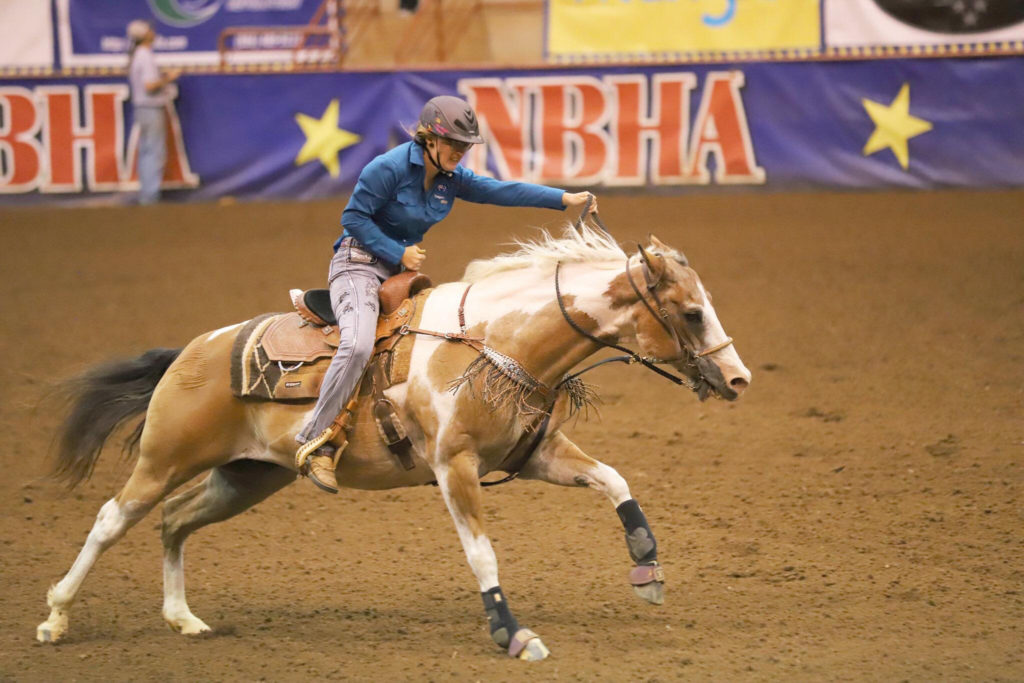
(560, 461)
(459, 482)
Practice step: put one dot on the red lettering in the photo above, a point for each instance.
(500, 107)
(574, 141)
(665, 128)
(721, 130)
(20, 153)
(100, 135)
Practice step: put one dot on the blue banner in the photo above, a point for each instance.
(189, 31)
(913, 123)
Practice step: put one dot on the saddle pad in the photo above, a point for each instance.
(291, 368)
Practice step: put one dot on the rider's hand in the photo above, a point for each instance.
(575, 199)
(414, 257)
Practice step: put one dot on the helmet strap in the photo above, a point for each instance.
(434, 160)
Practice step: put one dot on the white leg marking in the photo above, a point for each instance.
(176, 611)
(611, 484)
(111, 523)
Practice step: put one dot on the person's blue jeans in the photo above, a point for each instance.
(152, 152)
(355, 279)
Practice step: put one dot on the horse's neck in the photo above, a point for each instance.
(520, 316)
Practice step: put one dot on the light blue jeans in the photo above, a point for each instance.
(355, 279)
(152, 152)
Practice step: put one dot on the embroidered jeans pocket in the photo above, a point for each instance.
(357, 255)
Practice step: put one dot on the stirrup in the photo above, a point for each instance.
(306, 449)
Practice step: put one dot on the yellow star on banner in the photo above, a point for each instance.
(894, 126)
(324, 139)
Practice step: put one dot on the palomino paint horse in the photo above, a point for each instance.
(193, 423)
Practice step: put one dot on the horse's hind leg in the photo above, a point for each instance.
(144, 489)
(561, 462)
(229, 489)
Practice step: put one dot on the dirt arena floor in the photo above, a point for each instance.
(857, 515)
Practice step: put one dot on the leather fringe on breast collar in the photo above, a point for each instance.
(506, 385)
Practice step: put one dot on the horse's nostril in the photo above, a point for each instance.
(738, 383)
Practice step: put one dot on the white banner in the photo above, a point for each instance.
(26, 34)
(857, 23)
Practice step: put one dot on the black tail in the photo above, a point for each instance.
(100, 400)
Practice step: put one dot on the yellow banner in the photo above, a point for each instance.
(638, 27)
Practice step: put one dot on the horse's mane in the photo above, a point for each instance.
(547, 250)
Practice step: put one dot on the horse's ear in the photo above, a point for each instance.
(670, 252)
(655, 265)
(659, 246)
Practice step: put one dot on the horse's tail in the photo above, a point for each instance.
(99, 400)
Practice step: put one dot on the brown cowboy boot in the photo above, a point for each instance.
(320, 468)
(318, 458)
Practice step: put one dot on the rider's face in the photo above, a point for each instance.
(450, 152)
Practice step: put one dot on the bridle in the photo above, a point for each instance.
(685, 350)
(535, 433)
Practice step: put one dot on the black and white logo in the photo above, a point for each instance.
(955, 16)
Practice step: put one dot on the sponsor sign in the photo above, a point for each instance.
(854, 23)
(189, 31)
(625, 28)
(785, 126)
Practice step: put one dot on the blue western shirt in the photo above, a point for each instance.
(389, 210)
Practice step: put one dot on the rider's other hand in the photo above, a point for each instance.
(414, 257)
(575, 199)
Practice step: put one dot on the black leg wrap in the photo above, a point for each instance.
(503, 624)
(639, 539)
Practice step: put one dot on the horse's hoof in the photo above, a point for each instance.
(653, 592)
(534, 651)
(190, 626)
(649, 582)
(527, 646)
(47, 633)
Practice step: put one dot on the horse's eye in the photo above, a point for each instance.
(694, 317)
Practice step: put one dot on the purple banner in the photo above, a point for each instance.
(775, 126)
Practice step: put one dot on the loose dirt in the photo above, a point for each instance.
(857, 515)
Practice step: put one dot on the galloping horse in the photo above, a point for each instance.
(538, 312)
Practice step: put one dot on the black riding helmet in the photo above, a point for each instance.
(451, 117)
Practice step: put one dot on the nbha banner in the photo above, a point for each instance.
(774, 126)
(611, 29)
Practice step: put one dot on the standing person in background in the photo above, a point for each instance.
(399, 196)
(150, 95)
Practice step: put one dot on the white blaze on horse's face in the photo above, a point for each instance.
(735, 373)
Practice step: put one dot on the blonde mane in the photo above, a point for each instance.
(547, 250)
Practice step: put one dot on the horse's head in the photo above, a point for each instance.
(676, 323)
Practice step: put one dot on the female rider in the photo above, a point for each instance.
(399, 196)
